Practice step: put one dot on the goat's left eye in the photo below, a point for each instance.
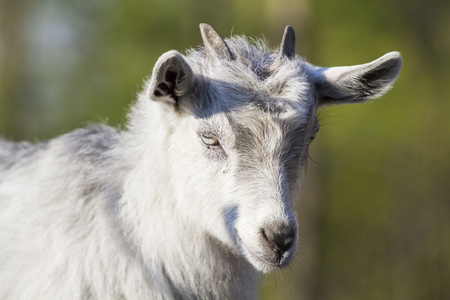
(209, 139)
(316, 130)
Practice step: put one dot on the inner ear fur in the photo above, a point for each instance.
(172, 78)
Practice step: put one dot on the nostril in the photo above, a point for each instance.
(281, 240)
(286, 246)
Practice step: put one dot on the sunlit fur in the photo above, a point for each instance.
(152, 212)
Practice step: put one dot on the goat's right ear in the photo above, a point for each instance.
(172, 78)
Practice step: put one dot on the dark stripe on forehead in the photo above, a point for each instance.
(245, 139)
(288, 149)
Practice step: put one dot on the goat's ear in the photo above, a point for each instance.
(172, 78)
(353, 84)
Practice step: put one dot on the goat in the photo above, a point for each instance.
(194, 200)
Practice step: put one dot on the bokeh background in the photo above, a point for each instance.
(375, 209)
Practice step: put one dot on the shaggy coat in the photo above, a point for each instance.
(194, 200)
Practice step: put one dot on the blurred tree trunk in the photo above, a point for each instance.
(12, 63)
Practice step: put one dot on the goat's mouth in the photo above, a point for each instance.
(266, 259)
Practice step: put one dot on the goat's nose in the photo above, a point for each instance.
(279, 240)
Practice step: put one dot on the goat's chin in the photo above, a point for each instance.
(262, 261)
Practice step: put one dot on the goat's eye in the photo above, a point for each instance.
(316, 130)
(210, 139)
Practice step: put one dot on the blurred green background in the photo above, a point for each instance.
(375, 209)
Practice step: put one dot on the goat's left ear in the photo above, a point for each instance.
(353, 84)
(172, 78)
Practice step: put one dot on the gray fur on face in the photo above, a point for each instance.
(194, 200)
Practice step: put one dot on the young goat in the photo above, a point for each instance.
(195, 199)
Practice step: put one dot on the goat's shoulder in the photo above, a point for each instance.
(11, 152)
(87, 145)
(91, 143)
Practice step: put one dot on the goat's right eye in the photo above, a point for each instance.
(209, 139)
